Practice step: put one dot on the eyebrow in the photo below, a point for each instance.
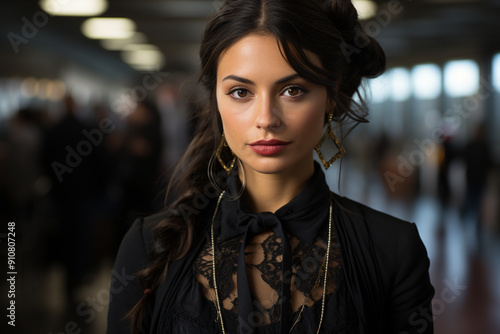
(250, 82)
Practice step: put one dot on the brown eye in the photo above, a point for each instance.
(239, 93)
(293, 91)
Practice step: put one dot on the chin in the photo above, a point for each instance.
(270, 165)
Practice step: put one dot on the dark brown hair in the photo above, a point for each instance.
(324, 28)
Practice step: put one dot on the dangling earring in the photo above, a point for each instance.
(218, 181)
(223, 143)
(329, 133)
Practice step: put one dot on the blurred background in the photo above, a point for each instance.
(95, 113)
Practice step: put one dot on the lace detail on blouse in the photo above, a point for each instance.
(263, 257)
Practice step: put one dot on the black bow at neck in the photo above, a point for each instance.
(303, 217)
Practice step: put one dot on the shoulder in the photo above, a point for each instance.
(138, 238)
(374, 218)
(395, 242)
(134, 248)
(125, 288)
(391, 252)
(384, 230)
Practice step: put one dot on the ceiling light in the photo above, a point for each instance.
(366, 8)
(147, 58)
(108, 27)
(145, 67)
(120, 44)
(143, 57)
(74, 7)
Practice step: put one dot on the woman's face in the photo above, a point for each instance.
(272, 117)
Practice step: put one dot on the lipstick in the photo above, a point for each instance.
(268, 147)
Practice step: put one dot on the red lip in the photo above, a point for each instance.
(268, 147)
(269, 142)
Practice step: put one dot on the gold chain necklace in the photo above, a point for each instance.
(325, 264)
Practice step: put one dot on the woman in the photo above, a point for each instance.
(290, 256)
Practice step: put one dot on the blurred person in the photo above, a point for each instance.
(74, 165)
(446, 156)
(175, 126)
(139, 162)
(478, 162)
(108, 230)
(5, 206)
(255, 239)
(381, 147)
(23, 165)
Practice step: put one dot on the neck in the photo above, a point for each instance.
(269, 192)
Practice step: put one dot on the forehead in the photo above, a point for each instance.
(253, 54)
(257, 54)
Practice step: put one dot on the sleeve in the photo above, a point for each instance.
(411, 298)
(124, 289)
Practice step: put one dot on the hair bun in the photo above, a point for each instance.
(363, 53)
(343, 14)
(371, 59)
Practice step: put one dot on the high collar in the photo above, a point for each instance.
(302, 217)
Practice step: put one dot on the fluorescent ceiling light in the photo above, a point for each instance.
(120, 44)
(144, 59)
(366, 8)
(145, 67)
(108, 27)
(74, 7)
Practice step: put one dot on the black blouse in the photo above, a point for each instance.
(377, 282)
(194, 313)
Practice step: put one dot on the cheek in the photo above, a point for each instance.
(227, 110)
(311, 122)
(235, 119)
(312, 117)
(224, 112)
(230, 125)
(230, 122)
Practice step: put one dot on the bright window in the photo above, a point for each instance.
(400, 82)
(496, 72)
(461, 78)
(379, 89)
(426, 81)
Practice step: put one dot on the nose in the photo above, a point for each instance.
(268, 115)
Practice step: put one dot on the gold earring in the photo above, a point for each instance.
(223, 143)
(329, 133)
